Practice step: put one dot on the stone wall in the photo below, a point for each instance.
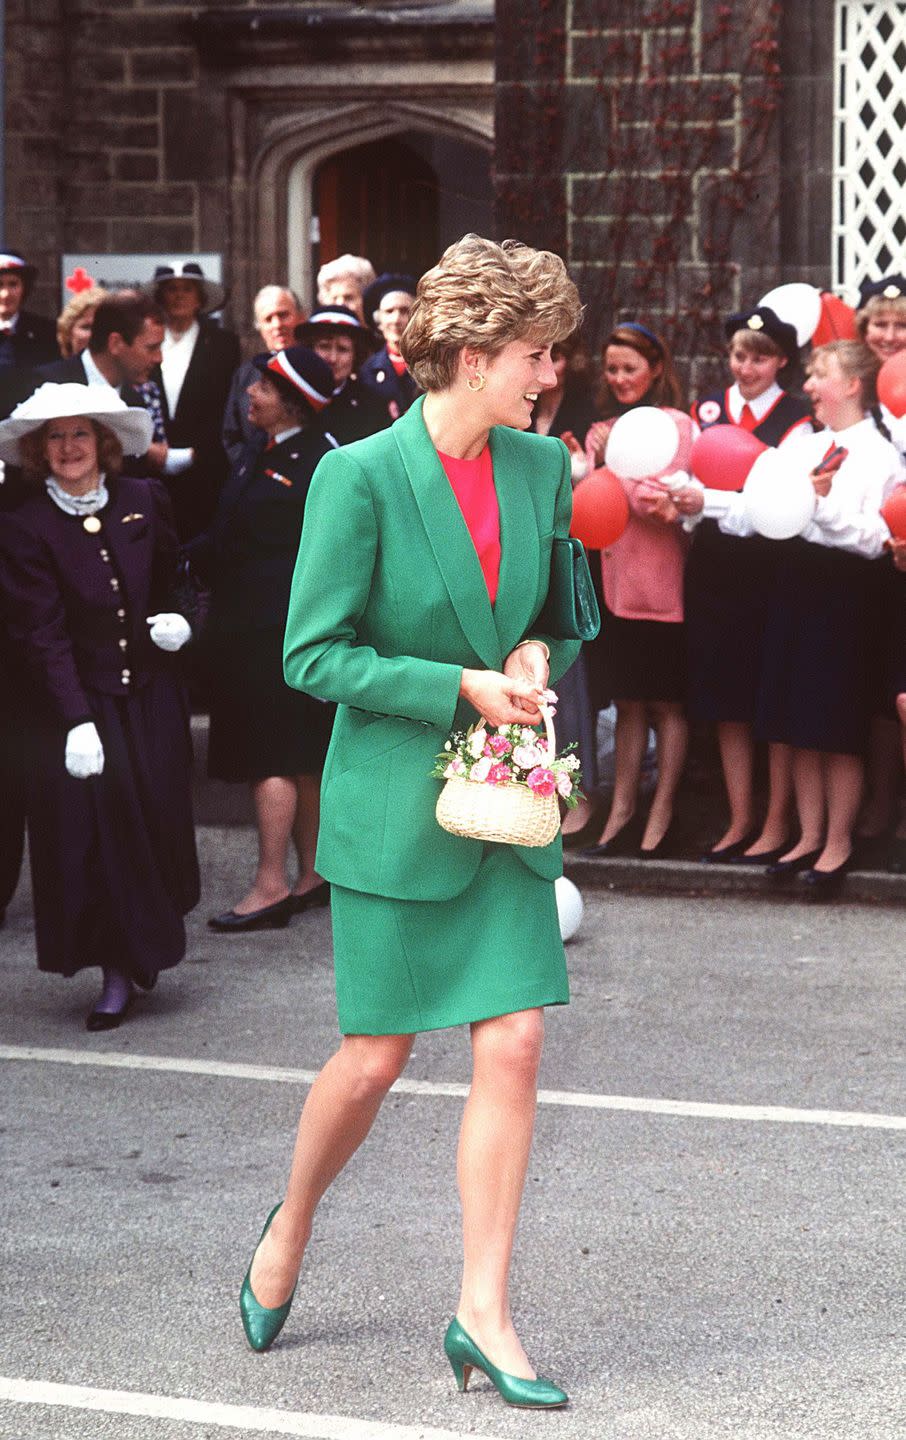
(643, 140)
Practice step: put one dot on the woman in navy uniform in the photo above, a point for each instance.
(727, 587)
(337, 334)
(87, 564)
(388, 305)
(262, 732)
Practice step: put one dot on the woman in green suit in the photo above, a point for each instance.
(424, 562)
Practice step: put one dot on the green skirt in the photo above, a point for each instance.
(408, 965)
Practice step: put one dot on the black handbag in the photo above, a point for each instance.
(570, 611)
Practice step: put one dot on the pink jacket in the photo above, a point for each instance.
(643, 570)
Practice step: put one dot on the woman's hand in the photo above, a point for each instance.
(529, 661)
(503, 699)
(596, 439)
(897, 550)
(169, 630)
(84, 751)
(690, 500)
(823, 474)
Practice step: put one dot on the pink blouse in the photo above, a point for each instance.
(473, 486)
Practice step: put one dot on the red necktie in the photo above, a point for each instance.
(747, 419)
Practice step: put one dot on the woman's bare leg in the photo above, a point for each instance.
(630, 744)
(776, 825)
(305, 831)
(494, 1145)
(672, 741)
(340, 1110)
(275, 812)
(844, 777)
(811, 802)
(737, 759)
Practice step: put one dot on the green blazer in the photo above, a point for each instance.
(388, 606)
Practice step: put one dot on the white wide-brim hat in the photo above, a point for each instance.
(132, 425)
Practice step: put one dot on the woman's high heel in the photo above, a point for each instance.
(261, 1324)
(465, 1356)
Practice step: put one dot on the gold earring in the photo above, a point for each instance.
(480, 382)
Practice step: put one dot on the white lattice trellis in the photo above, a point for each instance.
(869, 141)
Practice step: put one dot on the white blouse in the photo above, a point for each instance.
(847, 518)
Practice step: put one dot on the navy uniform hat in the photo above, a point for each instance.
(762, 320)
(892, 287)
(385, 284)
(301, 369)
(213, 294)
(11, 262)
(329, 320)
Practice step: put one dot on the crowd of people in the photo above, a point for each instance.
(134, 417)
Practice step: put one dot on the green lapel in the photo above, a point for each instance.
(448, 536)
(519, 545)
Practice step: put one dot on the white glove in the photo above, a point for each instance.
(170, 631)
(84, 751)
(677, 481)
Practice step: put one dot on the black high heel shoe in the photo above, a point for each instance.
(269, 917)
(665, 848)
(763, 857)
(786, 869)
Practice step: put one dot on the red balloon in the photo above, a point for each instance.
(723, 455)
(892, 384)
(893, 512)
(600, 510)
(838, 320)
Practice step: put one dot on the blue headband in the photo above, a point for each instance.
(643, 330)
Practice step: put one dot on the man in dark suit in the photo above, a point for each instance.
(199, 358)
(123, 353)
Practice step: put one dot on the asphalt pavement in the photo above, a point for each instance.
(712, 1242)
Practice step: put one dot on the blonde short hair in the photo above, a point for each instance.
(486, 295)
(878, 305)
(72, 310)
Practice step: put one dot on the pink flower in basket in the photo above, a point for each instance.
(527, 756)
(480, 769)
(500, 745)
(543, 782)
(564, 784)
(499, 774)
(455, 767)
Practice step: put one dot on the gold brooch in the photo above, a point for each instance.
(755, 322)
(92, 524)
(136, 515)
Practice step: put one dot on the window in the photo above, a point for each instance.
(869, 231)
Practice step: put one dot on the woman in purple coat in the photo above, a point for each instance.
(87, 564)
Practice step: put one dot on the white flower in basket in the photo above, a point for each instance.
(506, 784)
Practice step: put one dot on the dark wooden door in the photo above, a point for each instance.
(379, 200)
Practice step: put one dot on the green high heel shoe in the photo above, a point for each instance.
(261, 1325)
(465, 1356)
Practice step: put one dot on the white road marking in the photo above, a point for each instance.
(228, 1417)
(576, 1099)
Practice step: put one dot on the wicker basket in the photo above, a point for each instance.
(511, 814)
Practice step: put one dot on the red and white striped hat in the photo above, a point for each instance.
(303, 370)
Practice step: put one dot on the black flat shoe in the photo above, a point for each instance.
(317, 895)
(783, 869)
(728, 853)
(108, 1019)
(269, 917)
(825, 884)
(579, 839)
(665, 849)
(763, 857)
(625, 843)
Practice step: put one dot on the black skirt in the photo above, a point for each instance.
(259, 726)
(728, 582)
(113, 861)
(891, 637)
(638, 660)
(818, 675)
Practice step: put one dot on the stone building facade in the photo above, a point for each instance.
(683, 155)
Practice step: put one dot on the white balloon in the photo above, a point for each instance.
(569, 907)
(798, 305)
(779, 496)
(642, 442)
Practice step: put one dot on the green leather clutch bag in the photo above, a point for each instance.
(570, 611)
